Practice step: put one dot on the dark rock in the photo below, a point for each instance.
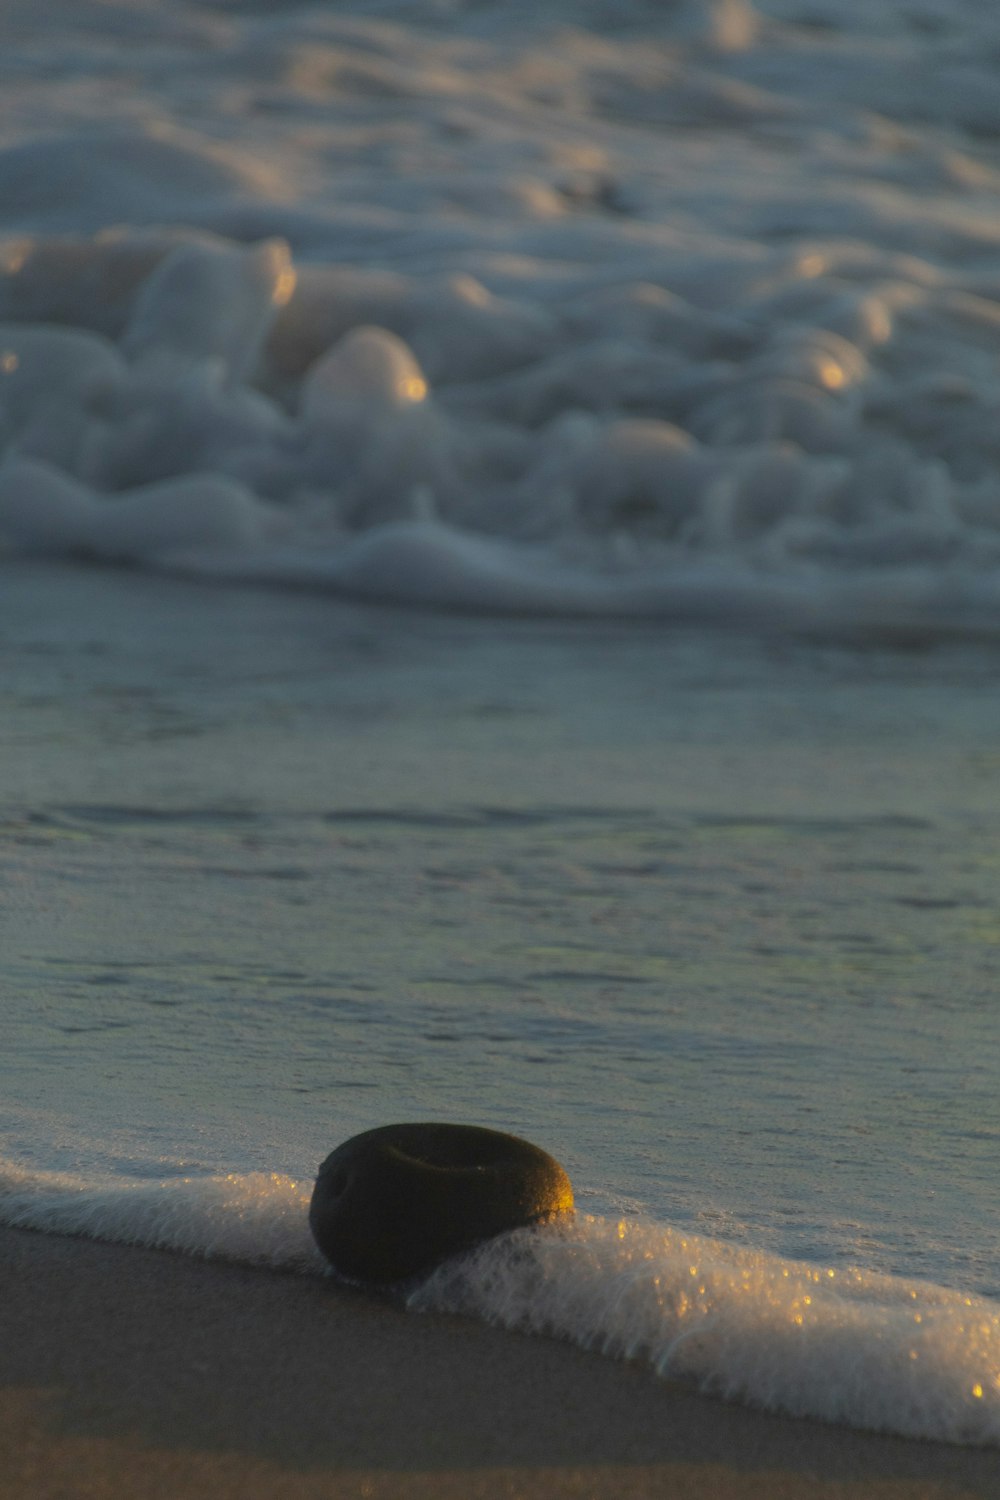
(393, 1203)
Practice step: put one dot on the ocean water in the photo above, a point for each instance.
(500, 557)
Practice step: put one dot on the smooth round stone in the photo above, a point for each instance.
(393, 1203)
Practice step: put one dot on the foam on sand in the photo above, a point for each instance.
(843, 1345)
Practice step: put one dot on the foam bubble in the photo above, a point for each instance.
(210, 302)
(369, 369)
(43, 511)
(841, 1345)
(46, 370)
(257, 1218)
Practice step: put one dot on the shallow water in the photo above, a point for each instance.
(717, 927)
(661, 341)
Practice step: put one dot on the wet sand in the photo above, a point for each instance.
(133, 1372)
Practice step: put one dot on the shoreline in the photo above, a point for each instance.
(140, 1372)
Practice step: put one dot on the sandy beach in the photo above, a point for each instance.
(133, 1372)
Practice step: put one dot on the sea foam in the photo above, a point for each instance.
(254, 1218)
(844, 1346)
(689, 312)
(841, 1345)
